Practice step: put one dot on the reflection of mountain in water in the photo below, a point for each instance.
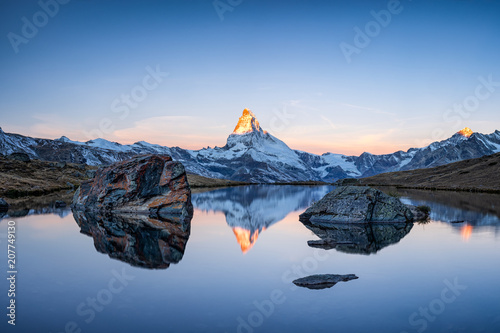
(251, 209)
(46, 204)
(473, 210)
(61, 212)
(136, 239)
(361, 238)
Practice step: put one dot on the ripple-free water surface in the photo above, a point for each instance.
(245, 247)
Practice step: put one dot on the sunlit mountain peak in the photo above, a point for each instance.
(467, 132)
(247, 124)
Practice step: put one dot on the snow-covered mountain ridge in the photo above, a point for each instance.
(252, 154)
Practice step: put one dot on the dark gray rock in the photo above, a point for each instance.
(4, 206)
(77, 174)
(420, 213)
(322, 281)
(357, 204)
(59, 204)
(19, 157)
(90, 173)
(347, 182)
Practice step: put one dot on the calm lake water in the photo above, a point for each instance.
(244, 248)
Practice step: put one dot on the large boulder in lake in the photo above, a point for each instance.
(357, 204)
(151, 184)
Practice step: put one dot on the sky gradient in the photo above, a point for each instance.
(180, 73)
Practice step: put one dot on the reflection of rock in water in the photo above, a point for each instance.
(137, 239)
(360, 238)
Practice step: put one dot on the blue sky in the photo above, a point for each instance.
(281, 59)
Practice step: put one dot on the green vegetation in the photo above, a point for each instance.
(424, 209)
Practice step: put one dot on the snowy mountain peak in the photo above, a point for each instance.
(248, 124)
(466, 132)
(63, 139)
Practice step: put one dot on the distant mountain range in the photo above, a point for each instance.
(252, 154)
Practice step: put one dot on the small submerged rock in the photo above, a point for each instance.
(357, 204)
(323, 281)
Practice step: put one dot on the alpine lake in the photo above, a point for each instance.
(232, 270)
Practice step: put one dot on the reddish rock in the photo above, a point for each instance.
(151, 184)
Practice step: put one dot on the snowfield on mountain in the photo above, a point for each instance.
(254, 155)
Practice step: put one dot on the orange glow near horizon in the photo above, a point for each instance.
(245, 239)
(153, 131)
(466, 232)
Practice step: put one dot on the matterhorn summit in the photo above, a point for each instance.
(249, 134)
(248, 123)
(466, 132)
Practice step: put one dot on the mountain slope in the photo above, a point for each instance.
(251, 154)
(479, 174)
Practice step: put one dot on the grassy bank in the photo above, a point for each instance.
(474, 175)
(35, 178)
